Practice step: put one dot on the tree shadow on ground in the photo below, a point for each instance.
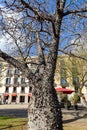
(76, 117)
(10, 127)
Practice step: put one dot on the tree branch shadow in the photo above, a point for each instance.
(11, 126)
(76, 117)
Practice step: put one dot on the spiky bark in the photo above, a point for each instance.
(45, 112)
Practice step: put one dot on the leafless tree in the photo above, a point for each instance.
(41, 28)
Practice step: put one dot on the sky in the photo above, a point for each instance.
(4, 43)
(5, 40)
(3, 46)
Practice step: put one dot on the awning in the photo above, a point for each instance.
(29, 94)
(64, 90)
(14, 94)
(6, 94)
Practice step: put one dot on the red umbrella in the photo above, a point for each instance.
(64, 90)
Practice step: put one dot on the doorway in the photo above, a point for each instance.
(22, 99)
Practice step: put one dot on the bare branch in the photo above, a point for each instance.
(16, 44)
(16, 63)
(40, 16)
(71, 54)
(75, 11)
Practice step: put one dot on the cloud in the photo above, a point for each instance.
(9, 19)
(2, 44)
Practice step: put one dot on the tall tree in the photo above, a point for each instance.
(38, 27)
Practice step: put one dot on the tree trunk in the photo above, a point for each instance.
(84, 100)
(44, 112)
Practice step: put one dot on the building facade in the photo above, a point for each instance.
(14, 87)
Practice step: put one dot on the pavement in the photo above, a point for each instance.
(14, 106)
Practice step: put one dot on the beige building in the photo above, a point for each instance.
(14, 87)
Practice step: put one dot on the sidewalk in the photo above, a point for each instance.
(14, 106)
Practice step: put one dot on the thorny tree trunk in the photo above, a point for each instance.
(44, 110)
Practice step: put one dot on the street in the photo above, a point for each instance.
(22, 113)
(20, 110)
(14, 110)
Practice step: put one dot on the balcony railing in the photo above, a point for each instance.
(15, 84)
(8, 85)
(14, 91)
(6, 91)
(22, 91)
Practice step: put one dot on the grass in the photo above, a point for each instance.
(11, 123)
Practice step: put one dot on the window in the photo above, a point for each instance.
(76, 83)
(22, 89)
(22, 80)
(75, 80)
(63, 73)
(22, 98)
(8, 80)
(14, 89)
(16, 71)
(30, 89)
(8, 71)
(64, 82)
(15, 80)
(7, 89)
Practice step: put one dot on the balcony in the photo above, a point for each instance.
(23, 84)
(6, 91)
(7, 85)
(9, 75)
(14, 91)
(22, 91)
(15, 84)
